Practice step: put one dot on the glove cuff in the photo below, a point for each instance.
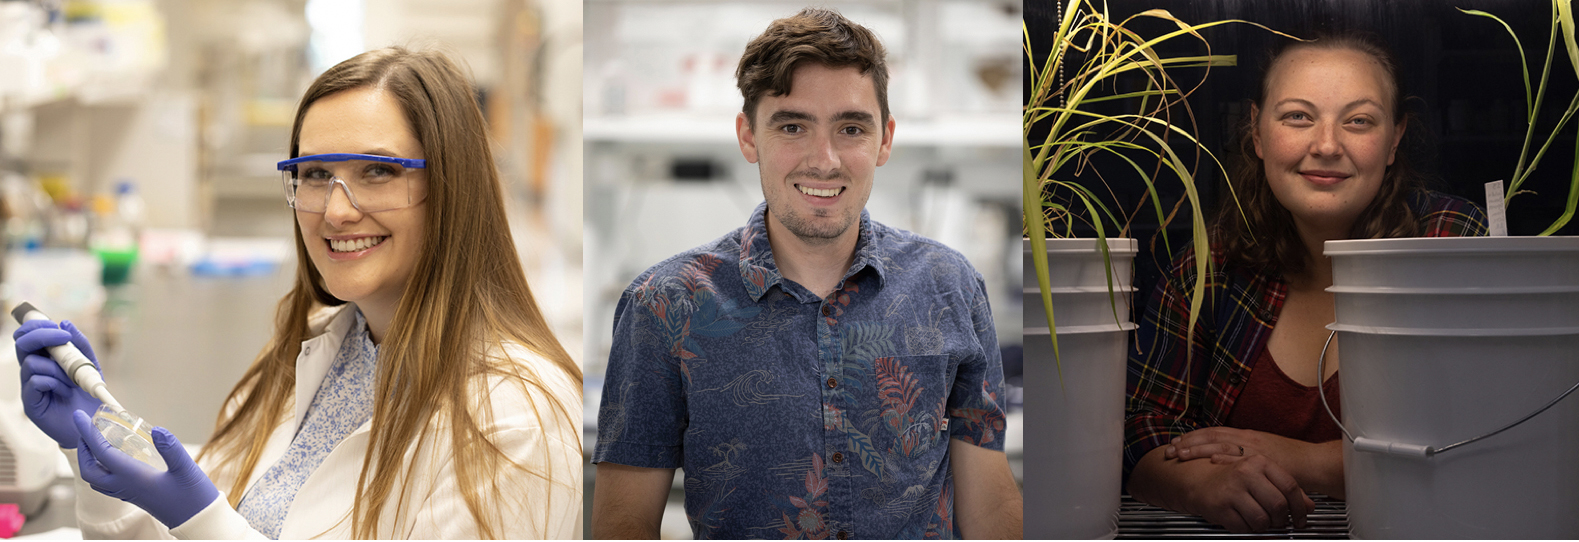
(209, 523)
(217, 521)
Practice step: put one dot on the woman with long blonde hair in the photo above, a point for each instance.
(411, 389)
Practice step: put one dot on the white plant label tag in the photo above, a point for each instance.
(1496, 210)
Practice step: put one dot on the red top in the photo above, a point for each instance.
(1274, 403)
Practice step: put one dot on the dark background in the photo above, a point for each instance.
(1460, 73)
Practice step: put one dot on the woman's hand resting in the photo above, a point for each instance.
(1246, 481)
(1317, 466)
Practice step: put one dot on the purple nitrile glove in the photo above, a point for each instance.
(48, 395)
(172, 496)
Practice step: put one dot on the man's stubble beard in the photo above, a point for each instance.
(804, 229)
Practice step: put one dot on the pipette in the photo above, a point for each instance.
(71, 360)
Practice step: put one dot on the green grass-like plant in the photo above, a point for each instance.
(1060, 100)
(1562, 22)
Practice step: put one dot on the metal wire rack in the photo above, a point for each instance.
(1138, 520)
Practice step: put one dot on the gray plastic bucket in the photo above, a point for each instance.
(1077, 262)
(1074, 427)
(1447, 339)
(1078, 306)
(1080, 289)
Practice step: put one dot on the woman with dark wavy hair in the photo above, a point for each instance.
(1225, 421)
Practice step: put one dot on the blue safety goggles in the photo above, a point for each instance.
(290, 165)
(373, 183)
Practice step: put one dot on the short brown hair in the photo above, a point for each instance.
(817, 35)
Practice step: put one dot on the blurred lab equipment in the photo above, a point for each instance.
(117, 227)
(28, 458)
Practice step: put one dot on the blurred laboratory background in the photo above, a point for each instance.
(665, 174)
(137, 147)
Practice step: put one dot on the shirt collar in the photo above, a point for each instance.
(359, 333)
(318, 353)
(759, 272)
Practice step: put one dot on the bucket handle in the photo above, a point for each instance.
(1362, 444)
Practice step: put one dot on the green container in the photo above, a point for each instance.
(117, 265)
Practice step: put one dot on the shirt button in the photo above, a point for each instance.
(843, 535)
(827, 310)
(1235, 379)
(832, 383)
(838, 457)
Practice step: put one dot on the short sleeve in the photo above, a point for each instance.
(977, 405)
(642, 417)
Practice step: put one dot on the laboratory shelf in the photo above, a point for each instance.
(973, 130)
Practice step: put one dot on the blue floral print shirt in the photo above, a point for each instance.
(795, 416)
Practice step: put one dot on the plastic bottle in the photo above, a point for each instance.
(27, 210)
(69, 225)
(115, 235)
(130, 206)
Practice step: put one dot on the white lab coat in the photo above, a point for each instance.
(435, 508)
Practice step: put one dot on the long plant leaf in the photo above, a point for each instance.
(1073, 136)
(1128, 95)
(1573, 107)
(1030, 198)
(1202, 259)
(1151, 187)
(1565, 19)
(1573, 198)
(1107, 257)
(1104, 70)
(1524, 64)
(1179, 62)
(1562, 24)
(1094, 206)
(1522, 171)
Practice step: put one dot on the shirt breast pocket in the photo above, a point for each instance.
(912, 392)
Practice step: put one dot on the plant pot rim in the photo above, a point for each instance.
(1119, 287)
(1085, 244)
(1468, 290)
(1451, 332)
(1449, 245)
(1126, 327)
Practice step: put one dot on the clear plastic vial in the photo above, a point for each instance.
(128, 433)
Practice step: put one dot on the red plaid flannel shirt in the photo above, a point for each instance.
(1236, 319)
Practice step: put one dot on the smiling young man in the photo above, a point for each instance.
(815, 373)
